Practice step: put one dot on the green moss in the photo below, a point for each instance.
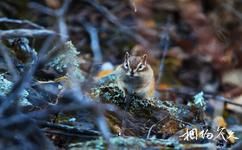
(108, 91)
(67, 57)
(67, 61)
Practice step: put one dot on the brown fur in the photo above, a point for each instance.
(134, 61)
(134, 79)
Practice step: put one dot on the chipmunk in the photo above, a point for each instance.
(135, 76)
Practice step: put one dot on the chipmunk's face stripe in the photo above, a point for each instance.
(134, 64)
(140, 67)
(126, 65)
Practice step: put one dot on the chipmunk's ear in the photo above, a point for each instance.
(144, 59)
(126, 56)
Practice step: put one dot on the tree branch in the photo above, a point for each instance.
(20, 22)
(67, 128)
(6, 34)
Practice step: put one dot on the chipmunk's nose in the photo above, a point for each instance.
(132, 73)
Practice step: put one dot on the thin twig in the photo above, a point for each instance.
(42, 9)
(114, 20)
(61, 11)
(164, 44)
(5, 53)
(95, 44)
(150, 129)
(190, 92)
(22, 83)
(67, 128)
(59, 14)
(78, 135)
(20, 22)
(103, 126)
(80, 102)
(6, 34)
(233, 10)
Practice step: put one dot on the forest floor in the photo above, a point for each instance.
(58, 89)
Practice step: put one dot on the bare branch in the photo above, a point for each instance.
(113, 19)
(95, 45)
(20, 22)
(233, 10)
(190, 92)
(67, 128)
(5, 53)
(64, 8)
(164, 44)
(5, 34)
(42, 9)
(23, 82)
(59, 14)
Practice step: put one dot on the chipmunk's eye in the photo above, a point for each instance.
(126, 66)
(141, 67)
